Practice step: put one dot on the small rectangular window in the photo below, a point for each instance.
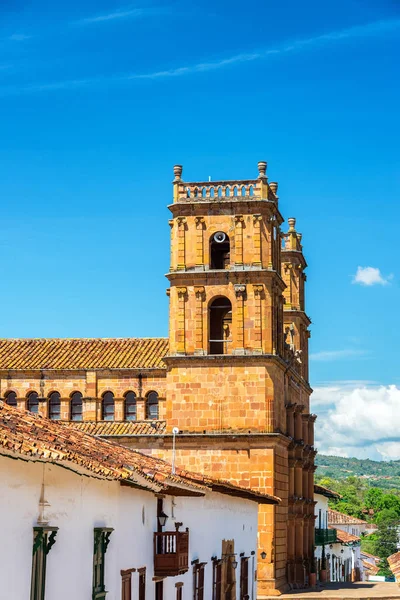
(101, 541)
(217, 580)
(126, 584)
(43, 540)
(179, 588)
(142, 584)
(159, 590)
(198, 581)
(244, 578)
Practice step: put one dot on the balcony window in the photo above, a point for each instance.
(11, 399)
(76, 406)
(152, 405)
(54, 406)
(107, 407)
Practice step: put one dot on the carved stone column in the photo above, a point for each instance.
(171, 224)
(182, 291)
(181, 243)
(199, 335)
(257, 259)
(240, 291)
(200, 222)
(239, 224)
(258, 294)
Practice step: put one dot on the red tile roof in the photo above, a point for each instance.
(323, 491)
(337, 518)
(32, 437)
(394, 564)
(345, 538)
(100, 353)
(371, 568)
(111, 428)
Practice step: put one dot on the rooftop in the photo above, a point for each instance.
(74, 354)
(345, 538)
(337, 518)
(394, 564)
(34, 438)
(323, 491)
(111, 428)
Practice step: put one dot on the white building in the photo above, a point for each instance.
(337, 550)
(84, 518)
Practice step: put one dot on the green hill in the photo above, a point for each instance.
(379, 473)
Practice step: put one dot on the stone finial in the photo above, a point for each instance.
(262, 169)
(292, 224)
(274, 186)
(178, 172)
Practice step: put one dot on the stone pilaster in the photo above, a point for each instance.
(182, 294)
(239, 224)
(257, 260)
(199, 334)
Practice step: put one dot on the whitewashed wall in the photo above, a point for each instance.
(78, 504)
(322, 505)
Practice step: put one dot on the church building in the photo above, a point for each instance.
(227, 394)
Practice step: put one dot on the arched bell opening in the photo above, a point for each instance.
(220, 324)
(220, 251)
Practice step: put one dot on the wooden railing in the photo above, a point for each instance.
(325, 536)
(171, 553)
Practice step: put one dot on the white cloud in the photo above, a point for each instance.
(329, 355)
(389, 450)
(19, 37)
(123, 13)
(358, 420)
(366, 30)
(117, 14)
(370, 276)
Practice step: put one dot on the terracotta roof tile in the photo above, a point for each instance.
(336, 517)
(100, 353)
(111, 428)
(323, 491)
(394, 564)
(373, 569)
(32, 437)
(345, 538)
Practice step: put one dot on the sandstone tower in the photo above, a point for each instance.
(237, 366)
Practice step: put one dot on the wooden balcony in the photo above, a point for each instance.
(325, 536)
(171, 553)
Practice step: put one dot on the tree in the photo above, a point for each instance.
(387, 535)
(373, 498)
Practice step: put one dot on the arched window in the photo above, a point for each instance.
(220, 325)
(212, 192)
(220, 249)
(33, 402)
(54, 406)
(107, 407)
(152, 405)
(227, 191)
(76, 406)
(243, 191)
(130, 406)
(11, 398)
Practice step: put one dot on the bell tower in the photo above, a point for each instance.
(237, 385)
(226, 289)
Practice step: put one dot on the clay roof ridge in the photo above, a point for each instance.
(338, 517)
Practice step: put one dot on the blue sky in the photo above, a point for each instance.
(100, 99)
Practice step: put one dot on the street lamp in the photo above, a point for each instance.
(263, 555)
(162, 519)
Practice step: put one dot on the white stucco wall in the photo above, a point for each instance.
(78, 504)
(321, 511)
